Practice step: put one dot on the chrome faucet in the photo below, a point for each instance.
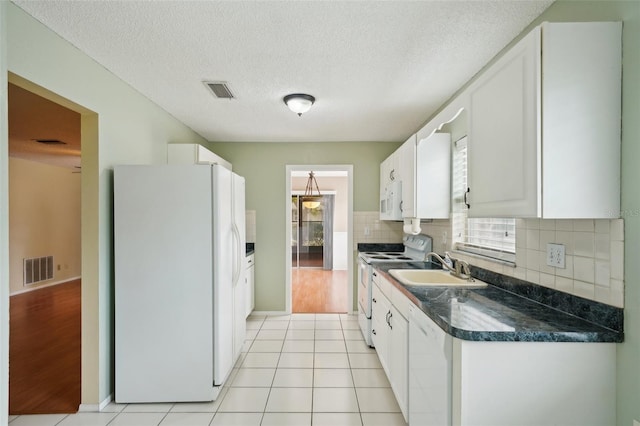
(457, 267)
(445, 265)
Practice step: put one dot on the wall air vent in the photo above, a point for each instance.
(38, 269)
(50, 141)
(220, 89)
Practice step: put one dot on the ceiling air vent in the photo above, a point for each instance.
(50, 141)
(220, 89)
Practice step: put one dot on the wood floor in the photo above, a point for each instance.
(319, 291)
(44, 350)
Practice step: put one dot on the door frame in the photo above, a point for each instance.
(289, 169)
(91, 292)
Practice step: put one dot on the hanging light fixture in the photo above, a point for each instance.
(308, 200)
(299, 102)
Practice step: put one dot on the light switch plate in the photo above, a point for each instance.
(555, 255)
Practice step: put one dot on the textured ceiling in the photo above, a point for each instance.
(378, 69)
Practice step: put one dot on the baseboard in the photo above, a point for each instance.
(269, 313)
(38, 287)
(277, 313)
(93, 408)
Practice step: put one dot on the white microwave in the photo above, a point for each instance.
(391, 202)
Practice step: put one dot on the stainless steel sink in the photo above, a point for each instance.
(431, 277)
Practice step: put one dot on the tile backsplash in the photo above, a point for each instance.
(368, 228)
(594, 250)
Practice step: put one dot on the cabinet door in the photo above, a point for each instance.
(407, 172)
(399, 359)
(380, 311)
(385, 173)
(249, 287)
(581, 68)
(433, 177)
(388, 171)
(504, 140)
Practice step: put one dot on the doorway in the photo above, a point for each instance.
(44, 254)
(319, 239)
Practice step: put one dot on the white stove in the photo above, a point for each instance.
(416, 248)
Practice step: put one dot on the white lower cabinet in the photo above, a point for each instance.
(379, 327)
(461, 382)
(398, 358)
(390, 335)
(249, 279)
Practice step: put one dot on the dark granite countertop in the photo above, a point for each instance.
(494, 313)
(250, 249)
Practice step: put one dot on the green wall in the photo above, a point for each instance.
(263, 166)
(119, 126)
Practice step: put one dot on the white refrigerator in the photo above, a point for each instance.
(179, 248)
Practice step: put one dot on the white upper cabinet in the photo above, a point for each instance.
(544, 126)
(390, 188)
(192, 153)
(433, 177)
(389, 170)
(423, 166)
(407, 168)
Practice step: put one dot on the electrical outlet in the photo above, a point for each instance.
(555, 255)
(444, 237)
(367, 231)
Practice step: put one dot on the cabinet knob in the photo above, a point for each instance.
(392, 174)
(375, 275)
(374, 300)
(373, 332)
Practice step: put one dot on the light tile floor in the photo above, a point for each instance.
(297, 370)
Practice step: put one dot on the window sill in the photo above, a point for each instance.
(503, 258)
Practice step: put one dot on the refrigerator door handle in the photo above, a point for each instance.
(237, 257)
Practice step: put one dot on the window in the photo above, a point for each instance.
(490, 237)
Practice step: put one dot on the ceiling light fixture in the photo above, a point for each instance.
(309, 200)
(299, 102)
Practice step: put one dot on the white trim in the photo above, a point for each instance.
(38, 287)
(269, 313)
(94, 408)
(289, 170)
(4, 223)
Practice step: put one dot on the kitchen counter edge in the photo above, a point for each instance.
(597, 333)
